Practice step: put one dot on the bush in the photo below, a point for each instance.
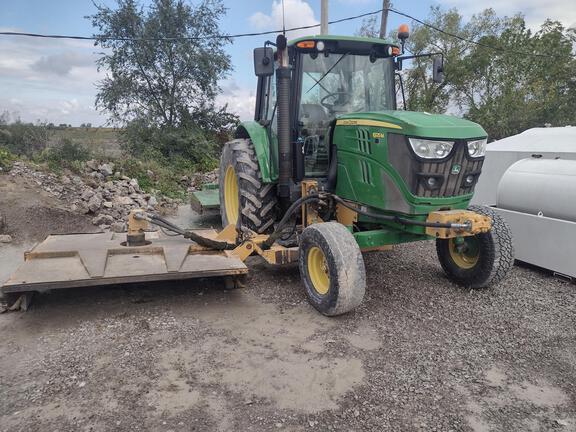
(186, 145)
(65, 154)
(154, 172)
(6, 159)
(24, 138)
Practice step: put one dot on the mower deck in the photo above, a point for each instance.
(88, 260)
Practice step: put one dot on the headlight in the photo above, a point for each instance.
(477, 148)
(431, 149)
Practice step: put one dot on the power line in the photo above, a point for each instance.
(240, 35)
(223, 36)
(471, 41)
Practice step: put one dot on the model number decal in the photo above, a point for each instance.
(365, 122)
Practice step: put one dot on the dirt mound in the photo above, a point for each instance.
(29, 213)
(46, 220)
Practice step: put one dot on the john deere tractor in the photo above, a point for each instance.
(330, 168)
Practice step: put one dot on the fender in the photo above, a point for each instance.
(268, 160)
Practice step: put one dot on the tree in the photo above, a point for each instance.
(509, 91)
(511, 80)
(4, 118)
(423, 93)
(151, 79)
(369, 27)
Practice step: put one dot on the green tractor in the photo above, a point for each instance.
(329, 168)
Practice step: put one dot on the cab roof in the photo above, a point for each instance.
(348, 41)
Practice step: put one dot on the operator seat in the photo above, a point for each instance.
(313, 113)
(314, 119)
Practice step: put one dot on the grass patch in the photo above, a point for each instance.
(157, 174)
(6, 159)
(100, 141)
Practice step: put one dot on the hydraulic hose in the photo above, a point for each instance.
(400, 220)
(278, 231)
(203, 241)
(209, 243)
(316, 197)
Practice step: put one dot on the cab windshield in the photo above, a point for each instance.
(337, 84)
(343, 83)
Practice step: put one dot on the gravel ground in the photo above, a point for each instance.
(420, 354)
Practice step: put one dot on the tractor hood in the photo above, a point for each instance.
(420, 124)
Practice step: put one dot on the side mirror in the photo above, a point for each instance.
(263, 61)
(437, 70)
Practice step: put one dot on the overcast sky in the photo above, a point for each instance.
(55, 80)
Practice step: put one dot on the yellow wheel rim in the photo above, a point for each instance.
(231, 200)
(466, 254)
(318, 270)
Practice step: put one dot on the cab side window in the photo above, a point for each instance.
(266, 99)
(271, 106)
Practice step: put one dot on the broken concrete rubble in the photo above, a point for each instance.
(107, 197)
(106, 169)
(103, 219)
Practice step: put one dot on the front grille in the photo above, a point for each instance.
(415, 171)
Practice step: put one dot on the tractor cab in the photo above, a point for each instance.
(330, 76)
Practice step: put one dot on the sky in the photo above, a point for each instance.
(56, 80)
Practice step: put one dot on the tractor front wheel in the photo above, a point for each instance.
(480, 260)
(332, 268)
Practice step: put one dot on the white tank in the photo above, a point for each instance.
(545, 187)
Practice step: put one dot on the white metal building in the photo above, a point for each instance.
(530, 179)
(551, 143)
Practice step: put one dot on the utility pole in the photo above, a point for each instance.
(384, 21)
(324, 17)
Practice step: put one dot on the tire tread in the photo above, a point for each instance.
(256, 197)
(347, 258)
(497, 259)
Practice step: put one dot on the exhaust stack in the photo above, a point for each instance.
(283, 115)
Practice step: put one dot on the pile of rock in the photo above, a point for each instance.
(196, 181)
(102, 193)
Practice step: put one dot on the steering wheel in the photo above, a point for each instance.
(347, 98)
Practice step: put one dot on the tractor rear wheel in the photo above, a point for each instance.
(480, 260)
(244, 197)
(332, 268)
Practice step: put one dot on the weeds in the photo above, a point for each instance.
(6, 159)
(65, 154)
(155, 172)
(160, 159)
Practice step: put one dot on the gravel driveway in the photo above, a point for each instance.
(420, 354)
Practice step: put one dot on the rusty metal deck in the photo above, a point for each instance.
(83, 260)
